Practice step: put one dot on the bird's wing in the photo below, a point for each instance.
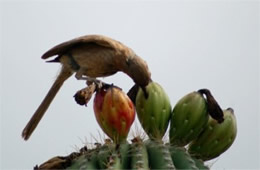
(97, 39)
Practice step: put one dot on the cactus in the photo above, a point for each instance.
(207, 136)
(159, 155)
(189, 117)
(197, 122)
(153, 112)
(114, 112)
(215, 138)
(181, 159)
(139, 154)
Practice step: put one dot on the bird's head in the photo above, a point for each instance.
(138, 70)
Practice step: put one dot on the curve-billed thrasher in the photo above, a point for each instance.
(89, 57)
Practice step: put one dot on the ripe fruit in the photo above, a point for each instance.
(114, 112)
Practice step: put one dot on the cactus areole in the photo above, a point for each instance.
(114, 112)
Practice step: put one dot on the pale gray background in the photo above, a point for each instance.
(188, 45)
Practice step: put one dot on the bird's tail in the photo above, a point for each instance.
(32, 124)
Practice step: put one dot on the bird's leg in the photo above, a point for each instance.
(80, 76)
(98, 83)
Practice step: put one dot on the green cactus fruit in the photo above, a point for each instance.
(154, 111)
(215, 138)
(189, 117)
(114, 112)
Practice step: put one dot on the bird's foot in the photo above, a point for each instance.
(97, 82)
(89, 80)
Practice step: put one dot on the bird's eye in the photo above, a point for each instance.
(127, 61)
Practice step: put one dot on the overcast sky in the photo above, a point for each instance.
(188, 45)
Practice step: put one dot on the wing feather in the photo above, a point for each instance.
(97, 39)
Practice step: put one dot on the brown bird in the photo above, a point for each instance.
(90, 57)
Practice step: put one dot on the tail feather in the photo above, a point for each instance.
(32, 124)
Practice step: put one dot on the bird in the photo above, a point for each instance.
(89, 57)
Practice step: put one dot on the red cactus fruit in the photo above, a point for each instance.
(114, 112)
